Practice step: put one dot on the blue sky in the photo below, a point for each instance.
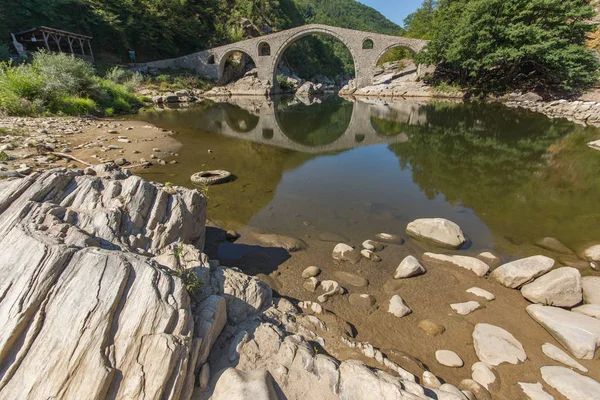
(394, 10)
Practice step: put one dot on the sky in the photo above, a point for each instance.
(394, 10)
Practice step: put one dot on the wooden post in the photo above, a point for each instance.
(82, 47)
(46, 41)
(70, 44)
(57, 40)
(91, 52)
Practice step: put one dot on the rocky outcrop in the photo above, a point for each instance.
(85, 312)
(586, 112)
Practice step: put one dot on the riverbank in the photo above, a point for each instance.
(35, 144)
(585, 111)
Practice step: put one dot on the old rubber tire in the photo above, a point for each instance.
(210, 177)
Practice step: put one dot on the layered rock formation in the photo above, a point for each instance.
(84, 311)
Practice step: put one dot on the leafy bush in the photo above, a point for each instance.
(4, 156)
(116, 75)
(145, 99)
(502, 45)
(284, 84)
(74, 106)
(60, 84)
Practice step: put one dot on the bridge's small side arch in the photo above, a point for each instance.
(395, 46)
(368, 44)
(299, 35)
(225, 57)
(264, 49)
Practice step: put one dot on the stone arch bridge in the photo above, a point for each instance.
(266, 51)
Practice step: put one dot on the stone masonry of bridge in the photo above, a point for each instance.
(266, 51)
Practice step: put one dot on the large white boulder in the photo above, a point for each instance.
(473, 264)
(408, 268)
(571, 384)
(495, 345)
(560, 287)
(591, 289)
(578, 333)
(516, 273)
(439, 231)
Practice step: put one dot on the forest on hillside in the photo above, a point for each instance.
(158, 29)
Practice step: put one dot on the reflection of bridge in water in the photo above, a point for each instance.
(359, 132)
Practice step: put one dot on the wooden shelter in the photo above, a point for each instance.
(56, 40)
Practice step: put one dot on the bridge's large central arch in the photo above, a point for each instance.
(316, 30)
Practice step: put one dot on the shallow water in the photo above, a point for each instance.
(507, 177)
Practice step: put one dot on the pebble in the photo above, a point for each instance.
(490, 259)
(477, 389)
(331, 288)
(389, 238)
(408, 268)
(310, 272)
(369, 255)
(431, 327)
(560, 356)
(332, 237)
(311, 284)
(398, 307)
(372, 245)
(465, 308)
(486, 376)
(351, 279)
(344, 252)
(449, 358)
(362, 300)
(535, 391)
(232, 235)
(430, 380)
(481, 293)
(495, 345)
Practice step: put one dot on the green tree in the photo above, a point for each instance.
(420, 23)
(500, 45)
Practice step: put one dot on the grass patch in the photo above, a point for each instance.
(4, 156)
(176, 79)
(61, 84)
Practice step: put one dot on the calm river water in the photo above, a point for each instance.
(356, 168)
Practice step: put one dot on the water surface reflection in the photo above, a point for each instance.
(361, 167)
